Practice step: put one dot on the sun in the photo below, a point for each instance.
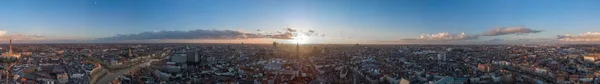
(300, 39)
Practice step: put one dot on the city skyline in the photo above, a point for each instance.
(299, 42)
(306, 22)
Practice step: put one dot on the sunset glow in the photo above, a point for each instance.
(302, 21)
(300, 39)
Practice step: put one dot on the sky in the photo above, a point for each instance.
(302, 21)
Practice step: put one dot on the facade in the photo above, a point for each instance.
(591, 57)
(194, 57)
(442, 57)
(62, 78)
(273, 66)
(485, 67)
(179, 58)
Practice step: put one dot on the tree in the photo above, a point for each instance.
(8, 60)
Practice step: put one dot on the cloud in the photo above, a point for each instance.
(584, 37)
(311, 33)
(438, 38)
(471, 42)
(446, 36)
(420, 41)
(506, 31)
(538, 40)
(21, 37)
(286, 35)
(191, 34)
(2, 33)
(496, 40)
(287, 29)
(5, 36)
(289, 33)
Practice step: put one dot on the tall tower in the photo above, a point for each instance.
(298, 50)
(10, 47)
(273, 50)
(130, 53)
(274, 44)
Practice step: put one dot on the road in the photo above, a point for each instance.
(112, 74)
(545, 78)
(106, 79)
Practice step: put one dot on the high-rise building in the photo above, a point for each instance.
(315, 50)
(273, 50)
(179, 58)
(194, 57)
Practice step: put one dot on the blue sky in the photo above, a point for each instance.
(363, 21)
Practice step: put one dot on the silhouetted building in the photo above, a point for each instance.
(194, 57)
(179, 58)
(298, 50)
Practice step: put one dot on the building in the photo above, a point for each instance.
(485, 67)
(541, 70)
(161, 75)
(442, 57)
(194, 57)
(298, 50)
(404, 81)
(591, 57)
(130, 53)
(62, 78)
(452, 80)
(273, 66)
(179, 58)
(78, 75)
